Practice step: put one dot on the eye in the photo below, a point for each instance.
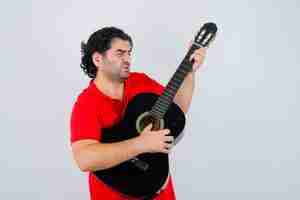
(123, 53)
(119, 54)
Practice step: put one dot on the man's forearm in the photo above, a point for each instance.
(184, 95)
(99, 156)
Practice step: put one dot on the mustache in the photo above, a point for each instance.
(127, 63)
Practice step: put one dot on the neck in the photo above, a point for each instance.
(110, 87)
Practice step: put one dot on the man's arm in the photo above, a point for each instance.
(183, 98)
(184, 95)
(90, 155)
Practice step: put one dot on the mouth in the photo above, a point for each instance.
(126, 67)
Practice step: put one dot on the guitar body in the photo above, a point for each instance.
(126, 177)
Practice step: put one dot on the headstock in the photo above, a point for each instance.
(206, 35)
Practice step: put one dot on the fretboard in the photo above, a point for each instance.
(164, 101)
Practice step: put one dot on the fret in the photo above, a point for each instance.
(181, 76)
(156, 114)
(166, 100)
(168, 95)
(182, 70)
(158, 111)
(161, 107)
(159, 104)
(162, 104)
(186, 65)
(161, 98)
(171, 87)
(175, 85)
(162, 101)
(165, 104)
(177, 81)
(173, 90)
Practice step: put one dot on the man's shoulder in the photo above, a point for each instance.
(139, 76)
(135, 75)
(144, 83)
(87, 95)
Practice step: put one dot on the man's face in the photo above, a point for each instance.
(116, 61)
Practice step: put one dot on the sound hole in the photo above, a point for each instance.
(145, 119)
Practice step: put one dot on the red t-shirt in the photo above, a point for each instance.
(94, 110)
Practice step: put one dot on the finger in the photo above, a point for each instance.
(192, 57)
(199, 52)
(196, 57)
(169, 139)
(167, 132)
(198, 60)
(169, 146)
(199, 55)
(164, 131)
(166, 151)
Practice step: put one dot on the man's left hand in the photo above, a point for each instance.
(198, 57)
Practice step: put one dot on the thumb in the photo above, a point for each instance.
(148, 127)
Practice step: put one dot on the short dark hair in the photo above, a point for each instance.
(99, 41)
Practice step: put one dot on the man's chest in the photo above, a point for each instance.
(111, 112)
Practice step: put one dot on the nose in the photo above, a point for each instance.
(127, 57)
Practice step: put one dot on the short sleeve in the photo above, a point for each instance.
(85, 122)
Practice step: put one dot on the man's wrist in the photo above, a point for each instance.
(137, 145)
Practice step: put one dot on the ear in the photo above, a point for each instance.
(97, 59)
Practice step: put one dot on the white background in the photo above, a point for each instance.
(242, 137)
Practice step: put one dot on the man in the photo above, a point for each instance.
(106, 60)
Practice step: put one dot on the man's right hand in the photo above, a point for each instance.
(155, 141)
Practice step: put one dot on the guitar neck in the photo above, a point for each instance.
(162, 104)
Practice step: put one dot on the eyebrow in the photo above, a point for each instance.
(123, 51)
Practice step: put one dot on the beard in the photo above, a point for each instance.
(124, 73)
(117, 71)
